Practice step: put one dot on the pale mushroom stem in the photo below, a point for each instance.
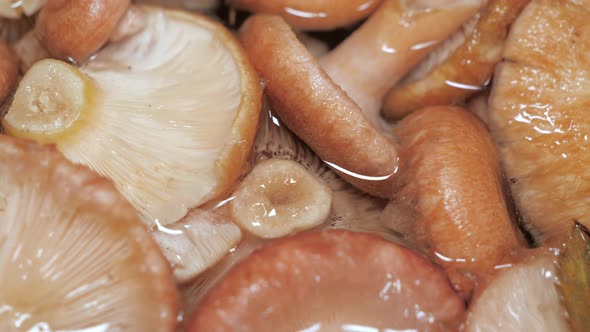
(395, 38)
(312, 14)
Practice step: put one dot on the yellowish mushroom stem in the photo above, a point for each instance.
(52, 102)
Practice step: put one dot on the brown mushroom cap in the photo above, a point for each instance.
(453, 183)
(317, 109)
(329, 279)
(312, 14)
(74, 29)
(539, 108)
(8, 70)
(466, 71)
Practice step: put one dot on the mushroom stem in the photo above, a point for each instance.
(312, 14)
(8, 71)
(53, 102)
(395, 38)
(73, 30)
(279, 197)
(466, 71)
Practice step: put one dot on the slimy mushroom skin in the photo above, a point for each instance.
(73, 29)
(312, 14)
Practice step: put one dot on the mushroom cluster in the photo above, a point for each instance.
(359, 165)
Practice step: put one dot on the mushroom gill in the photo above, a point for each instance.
(73, 254)
(168, 114)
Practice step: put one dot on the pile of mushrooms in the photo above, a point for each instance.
(163, 169)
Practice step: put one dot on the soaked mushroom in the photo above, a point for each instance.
(312, 14)
(73, 254)
(8, 71)
(168, 115)
(279, 197)
(538, 116)
(12, 30)
(316, 281)
(396, 37)
(197, 242)
(466, 71)
(453, 185)
(74, 30)
(367, 159)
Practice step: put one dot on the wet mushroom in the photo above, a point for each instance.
(537, 111)
(312, 14)
(465, 72)
(453, 186)
(194, 5)
(279, 197)
(314, 281)
(8, 71)
(319, 111)
(73, 254)
(29, 51)
(197, 242)
(169, 114)
(396, 37)
(522, 298)
(73, 30)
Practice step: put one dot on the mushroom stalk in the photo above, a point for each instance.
(395, 38)
(312, 14)
(466, 71)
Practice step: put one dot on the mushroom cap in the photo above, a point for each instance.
(522, 298)
(316, 109)
(329, 279)
(453, 184)
(172, 116)
(73, 254)
(73, 30)
(312, 14)
(538, 115)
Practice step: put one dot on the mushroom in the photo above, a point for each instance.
(194, 5)
(467, 71)
(351, 209)
(169, 114)
(8, 71)
(14, 9)
(279, 197)
(197, 242)
(74, 30)
(312, 107)
(522, 298)
(396, 37)
(312, 14)
(12, 30)
(454, 188)
(537, 112)
(73, 254)
(328, 280)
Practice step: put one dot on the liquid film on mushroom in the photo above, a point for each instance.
(169, 116)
